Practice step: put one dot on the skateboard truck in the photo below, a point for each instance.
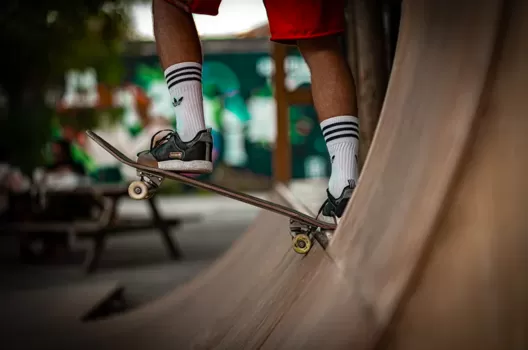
(145, 187)
(302, 235)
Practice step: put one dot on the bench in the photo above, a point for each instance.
(82, 213)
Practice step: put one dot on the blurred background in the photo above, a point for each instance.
(74, 65)
(94, 66)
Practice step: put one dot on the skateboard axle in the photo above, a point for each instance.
(302, 236)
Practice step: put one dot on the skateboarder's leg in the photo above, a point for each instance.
(314, 26)
(334, 96)
(180, 52)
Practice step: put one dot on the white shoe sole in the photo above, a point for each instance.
(194, 166)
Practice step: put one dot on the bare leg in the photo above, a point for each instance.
(334, 95)
(180, 54)
(333, 88)
(177, 40)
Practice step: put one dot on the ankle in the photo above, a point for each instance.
(184, 81)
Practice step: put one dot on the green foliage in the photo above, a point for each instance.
(24, 133)
(40, 40)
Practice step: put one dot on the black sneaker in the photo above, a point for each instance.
(171, 153)
(336, 206)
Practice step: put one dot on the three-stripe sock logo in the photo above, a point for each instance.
(182, 75)
(341, 130)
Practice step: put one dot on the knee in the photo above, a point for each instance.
(321, 51)
(329, 43)
(171, 5)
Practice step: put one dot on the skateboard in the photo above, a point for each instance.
(303, 228)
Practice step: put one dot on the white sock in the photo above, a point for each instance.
(342, 138)
(185, 86)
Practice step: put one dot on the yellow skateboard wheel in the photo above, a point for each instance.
(302, 244)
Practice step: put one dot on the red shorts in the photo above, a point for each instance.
(290, 20)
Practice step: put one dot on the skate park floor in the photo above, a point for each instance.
(139, 261)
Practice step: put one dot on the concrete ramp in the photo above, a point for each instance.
(432, 251)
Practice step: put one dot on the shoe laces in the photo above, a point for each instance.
(161, 140)
(333, 216)
(322, 207)
(327, 200)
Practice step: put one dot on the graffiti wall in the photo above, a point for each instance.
(238, 104)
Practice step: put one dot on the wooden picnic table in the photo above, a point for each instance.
(109, 196)
(115, 193)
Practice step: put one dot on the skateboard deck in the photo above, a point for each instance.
(303, 228)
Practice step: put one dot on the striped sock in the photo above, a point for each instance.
(185, 86)
(342, 138)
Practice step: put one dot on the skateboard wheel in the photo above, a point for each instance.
(138, 190)
(302, 244)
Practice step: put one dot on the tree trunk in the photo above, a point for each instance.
(368, 59)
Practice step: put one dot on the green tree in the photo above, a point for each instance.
(40, 40)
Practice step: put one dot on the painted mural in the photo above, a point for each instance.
(238, 104)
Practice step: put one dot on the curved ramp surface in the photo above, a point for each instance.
(432, 251)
